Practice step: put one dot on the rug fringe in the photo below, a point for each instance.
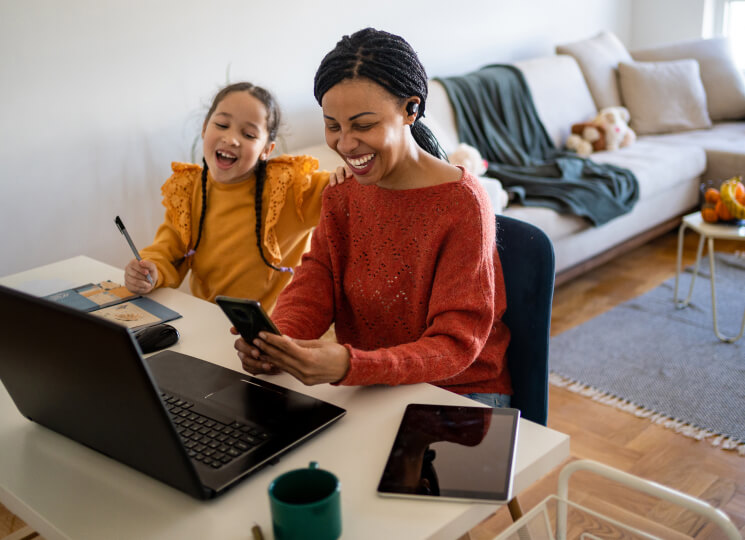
(716, 439)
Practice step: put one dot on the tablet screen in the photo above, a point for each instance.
(453, 452)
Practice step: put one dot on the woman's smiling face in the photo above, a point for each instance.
(235, 137)
(367, 126)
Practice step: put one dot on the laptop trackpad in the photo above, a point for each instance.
(252, 401)
(232, 392)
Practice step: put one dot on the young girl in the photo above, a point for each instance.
(404, 259)
(241, 221)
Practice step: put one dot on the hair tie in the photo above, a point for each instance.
(189, 253)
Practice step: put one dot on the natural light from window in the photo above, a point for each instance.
(734, 28)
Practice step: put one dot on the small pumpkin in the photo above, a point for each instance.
(711, 195)
(709, 213)
(723, 211)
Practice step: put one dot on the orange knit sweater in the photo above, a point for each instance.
(412, 281)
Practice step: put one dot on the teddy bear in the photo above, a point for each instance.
(470, 159)
(609, 130)
(586, 138)
(615, 122)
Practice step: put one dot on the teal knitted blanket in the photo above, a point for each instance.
(494, 112)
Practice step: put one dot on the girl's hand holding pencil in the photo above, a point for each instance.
(138, 275)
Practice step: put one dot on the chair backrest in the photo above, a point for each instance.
(527, 257)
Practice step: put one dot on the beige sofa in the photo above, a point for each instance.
(669, 166)
(570, 88)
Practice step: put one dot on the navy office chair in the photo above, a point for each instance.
(527, 257)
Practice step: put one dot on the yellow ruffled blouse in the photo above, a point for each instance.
(227, 260)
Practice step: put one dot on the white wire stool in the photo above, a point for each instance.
(550, 519)
(707, 233)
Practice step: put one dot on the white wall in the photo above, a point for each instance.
(99, 96)
(655, 22)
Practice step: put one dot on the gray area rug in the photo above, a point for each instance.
(656, 361)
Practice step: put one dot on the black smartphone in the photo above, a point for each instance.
(248, 317)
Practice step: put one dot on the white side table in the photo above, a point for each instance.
(708, 232)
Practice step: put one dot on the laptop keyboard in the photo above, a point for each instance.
(207, 440)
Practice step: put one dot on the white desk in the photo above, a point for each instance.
(66, 491)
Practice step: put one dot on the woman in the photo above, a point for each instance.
(404, 259)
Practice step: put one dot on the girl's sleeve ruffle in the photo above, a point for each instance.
(282, 173)
(177, 193)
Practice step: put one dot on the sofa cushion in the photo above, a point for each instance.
(559, 92)
(723, 144)
(555, 225)
(657, 166)
(664, 96)
(725, 136)
(724, 83)
(598, 57)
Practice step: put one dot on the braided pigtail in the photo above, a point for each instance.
(204, 209)
(387, 60)
(427, 140)
(260, 173)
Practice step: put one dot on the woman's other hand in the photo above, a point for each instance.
(135, 276)
(247, 354)
(339, 175)
(309, 361)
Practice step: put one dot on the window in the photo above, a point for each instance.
(733, 26)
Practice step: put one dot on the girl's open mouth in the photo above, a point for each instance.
(225, 159)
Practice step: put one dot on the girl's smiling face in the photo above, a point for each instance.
(235, 137)
(368, 127)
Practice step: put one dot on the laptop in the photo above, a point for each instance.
(196, 426)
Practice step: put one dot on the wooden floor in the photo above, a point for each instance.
(619, 439)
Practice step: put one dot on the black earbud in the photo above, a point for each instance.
(412, 107)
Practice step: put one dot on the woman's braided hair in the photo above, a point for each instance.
(272, 126)
(385, 59)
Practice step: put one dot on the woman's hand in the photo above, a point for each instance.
(309, 361)
(339, 175)
(249, 362)
(135, 276)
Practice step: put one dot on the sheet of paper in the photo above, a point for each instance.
(128, 314)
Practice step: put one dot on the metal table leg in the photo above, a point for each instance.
(684, 303)
(714, 298)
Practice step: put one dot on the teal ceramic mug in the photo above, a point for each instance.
(306, 504)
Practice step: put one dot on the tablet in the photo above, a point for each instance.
(450, 452)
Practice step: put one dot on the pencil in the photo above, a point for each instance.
(123, 230)
(256, 532)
